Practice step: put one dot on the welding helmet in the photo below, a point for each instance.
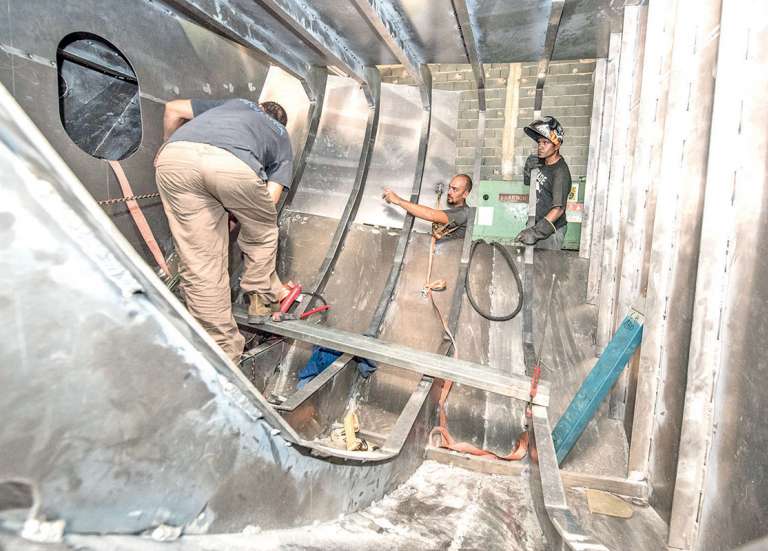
(548, 128)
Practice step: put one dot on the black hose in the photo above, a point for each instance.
(518, 281)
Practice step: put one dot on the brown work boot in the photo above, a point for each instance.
(259, 310)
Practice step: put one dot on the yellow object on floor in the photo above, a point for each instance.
(351, 426)
(604, 503)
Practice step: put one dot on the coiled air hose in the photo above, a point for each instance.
(512, 266)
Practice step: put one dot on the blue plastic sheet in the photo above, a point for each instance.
(321, 358)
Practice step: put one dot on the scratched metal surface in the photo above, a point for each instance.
(118, 408)
(568, 355)
(153, 39)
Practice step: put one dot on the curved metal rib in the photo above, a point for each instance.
(405, 233)
(355, 196)
(314, 87)
(560, 525)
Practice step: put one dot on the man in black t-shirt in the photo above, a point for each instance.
(451, 222)
(224, 157)
(550, 173)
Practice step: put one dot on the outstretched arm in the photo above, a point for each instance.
(419, 211)
(177, 112)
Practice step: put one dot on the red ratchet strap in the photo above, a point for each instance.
(308, 313)
(534, 389)
(138, 217)
(448, 442)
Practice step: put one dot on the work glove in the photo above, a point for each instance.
(541, 230)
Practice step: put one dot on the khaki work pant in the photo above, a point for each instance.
(199, 184)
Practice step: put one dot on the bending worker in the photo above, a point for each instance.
(552, 177)
(451, 221)
(224, 156)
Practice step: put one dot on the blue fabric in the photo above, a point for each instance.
(321, 358)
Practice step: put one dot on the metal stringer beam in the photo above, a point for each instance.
(305, 22)
(390, 26)
(355, 196)
(555, 13)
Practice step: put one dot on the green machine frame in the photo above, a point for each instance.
(502, 211)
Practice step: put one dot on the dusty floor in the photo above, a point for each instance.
(440, 507)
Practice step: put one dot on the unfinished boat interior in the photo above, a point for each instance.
(476, 392)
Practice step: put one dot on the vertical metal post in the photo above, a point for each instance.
(603, 166)
(624, 134)
(595, 125)
(721, 459)
(555, 13)
(639, 223)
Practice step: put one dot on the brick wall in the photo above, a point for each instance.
(567, 96)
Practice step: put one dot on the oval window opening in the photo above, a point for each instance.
(98, 97)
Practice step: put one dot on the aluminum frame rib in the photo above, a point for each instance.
(385, 20)
(314, 87)
(355, 196)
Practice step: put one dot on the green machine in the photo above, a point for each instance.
(502, 211)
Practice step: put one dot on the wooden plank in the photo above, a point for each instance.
(636, 489)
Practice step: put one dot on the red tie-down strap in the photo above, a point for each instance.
(138, 218)
(447, 441)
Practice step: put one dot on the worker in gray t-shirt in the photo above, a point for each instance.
(451, 222)
(224, 158)
(549, 172)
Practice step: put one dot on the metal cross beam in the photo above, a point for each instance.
(470, 48)
(435, 365)
(555, 12)
(306, 23)
(384, 17)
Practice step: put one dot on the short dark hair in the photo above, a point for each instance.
(276, 111)
(467, 181)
